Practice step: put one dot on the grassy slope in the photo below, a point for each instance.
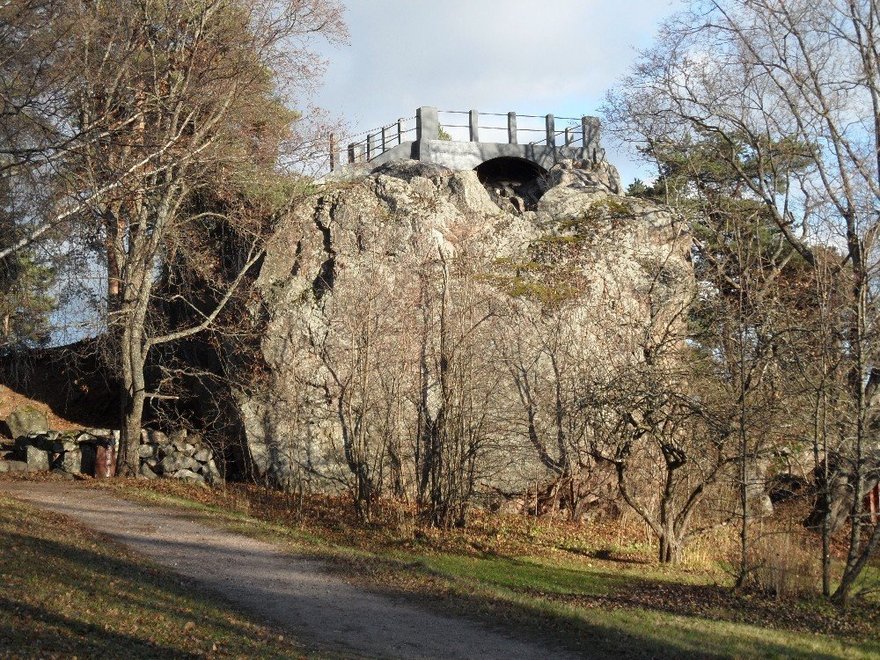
(615, 607)
(67, 591)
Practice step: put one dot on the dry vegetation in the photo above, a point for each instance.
(593, 587)
(11, 400)
(70, 592)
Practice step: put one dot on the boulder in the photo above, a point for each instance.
(203, 455)
(178, 436)
(189, 463)
(71, 461)
(609, 260)
(170, 464)
(212, 469)
(177, 461)
(27, 421)
(104, 434)
(13, 466)
(212, 473)
(147, 451)
(147, 473)
(189, 476)
(158, 438)
(37, 459)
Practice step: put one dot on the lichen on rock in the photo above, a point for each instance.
(356, 280)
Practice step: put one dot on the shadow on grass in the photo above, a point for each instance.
(722, 603)
(593, 587)
(606, 554)
(621, 623)
(599, 613)
(61, 598)
(46, 631)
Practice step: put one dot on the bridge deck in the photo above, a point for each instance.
(384, 145)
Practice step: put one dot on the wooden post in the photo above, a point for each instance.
(400, 131)
(384, 140)
(351, 154)
(569, 136)
(511, 128)
(371, 147)
(332, 152)
(474, 123)
(551, 131)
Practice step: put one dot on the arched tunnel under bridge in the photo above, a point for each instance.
(519, 181)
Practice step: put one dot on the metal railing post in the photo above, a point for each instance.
(400, 131)
(511, 128)
(474, 124)
(551, 131)
(351, 154)
(384, 140)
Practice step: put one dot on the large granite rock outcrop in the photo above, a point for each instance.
(362, 260)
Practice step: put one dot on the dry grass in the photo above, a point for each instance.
(69, 592)
(784, 564)
(595, 589)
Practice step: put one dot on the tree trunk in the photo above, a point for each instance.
(670, 549)
(132, 402)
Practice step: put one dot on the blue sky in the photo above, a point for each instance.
(529, 56)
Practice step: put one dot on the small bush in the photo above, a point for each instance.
(783, 564)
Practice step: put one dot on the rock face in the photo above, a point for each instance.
(363, 287)
(26, 421)
(840, 487)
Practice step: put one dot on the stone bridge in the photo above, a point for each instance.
(427, 141)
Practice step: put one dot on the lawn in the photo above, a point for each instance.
(69, 592)
(579, 586)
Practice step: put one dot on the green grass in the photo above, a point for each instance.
(526, 574)
(67, 591)
(592, 606)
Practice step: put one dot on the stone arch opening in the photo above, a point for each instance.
(509, 169)
(513, 183)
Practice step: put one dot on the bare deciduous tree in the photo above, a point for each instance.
(772, 81)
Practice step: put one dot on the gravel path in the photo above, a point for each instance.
(322, 610)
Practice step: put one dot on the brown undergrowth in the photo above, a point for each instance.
(582, 567)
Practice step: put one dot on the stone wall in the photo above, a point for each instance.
(92, 452)
(178, 455)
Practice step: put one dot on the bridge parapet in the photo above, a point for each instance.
(426, 138)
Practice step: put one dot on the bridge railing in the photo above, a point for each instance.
(508, 127)
(372, 143)
(472, 126)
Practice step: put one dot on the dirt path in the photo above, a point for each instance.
(297, 594)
